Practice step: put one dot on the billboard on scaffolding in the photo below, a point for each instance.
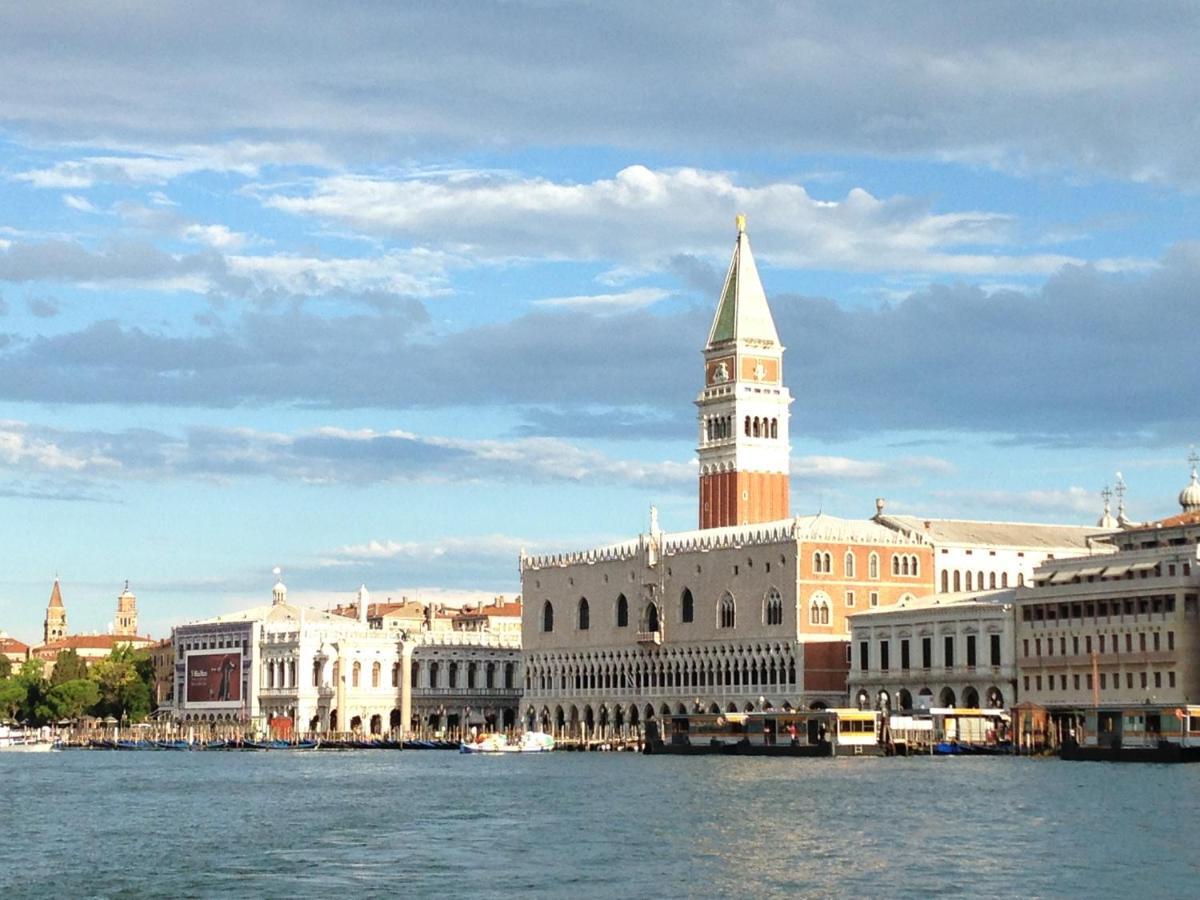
(214, 678)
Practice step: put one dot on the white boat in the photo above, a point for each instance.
(25, 741)
(487, 742)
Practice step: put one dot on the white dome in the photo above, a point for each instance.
(1189, 497)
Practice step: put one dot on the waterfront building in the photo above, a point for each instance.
(162, 657)
(987, 556)
(16, 651)
(294, 668)
(1121, 629)
(939, 650)
(744, 617)
(747, 612)
(464, 678)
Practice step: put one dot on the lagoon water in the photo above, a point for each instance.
(422, 823)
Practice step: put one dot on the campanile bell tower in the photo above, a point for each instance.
(744, 406)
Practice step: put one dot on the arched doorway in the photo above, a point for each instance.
(970, 698)
(333, 721)
(946, 698)
(649, 712)
(883, 702)
(376, 724)
(904, 699)
(862, 700)
(714, 710)
(395, 720)
(818, 704)
(356, 723)
(995, 699)
(924, 698)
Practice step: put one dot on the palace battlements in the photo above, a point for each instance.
(818, 529)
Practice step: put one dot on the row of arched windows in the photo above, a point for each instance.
(740, 668)
(718, 428)
(761, 427)
(726, 611)
(902, 564)
(906, 564)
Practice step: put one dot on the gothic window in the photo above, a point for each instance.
(472, 669)
(1003, 579)
(817, 562)
(895, 565)
(434, 671)
(818, 609)
(873, 565)
(317, 673)
(585, 618)
(622, 612)
(652, 617)
(828, 560)
(774, 608)
(547, 616)
(376, 671)
(687, 606)
(726, 611)
(848, 564)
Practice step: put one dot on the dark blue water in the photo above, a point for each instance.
(375, 823)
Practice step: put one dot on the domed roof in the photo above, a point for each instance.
(1189, 497)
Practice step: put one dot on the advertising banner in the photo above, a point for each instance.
(214, 677)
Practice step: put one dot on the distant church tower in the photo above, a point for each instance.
(126, 612)
(744, 405)
(55, 626)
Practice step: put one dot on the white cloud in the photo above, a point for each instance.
(77, 203)
(23, 448)
(415, 272)
(220, 237)
(843, 468)
(160, 165)
(641, 217)
(632, 299)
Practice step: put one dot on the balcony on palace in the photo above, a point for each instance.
(649, 638)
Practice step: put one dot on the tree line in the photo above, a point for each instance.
(119, 685)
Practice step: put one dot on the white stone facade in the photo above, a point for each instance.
(944, 650)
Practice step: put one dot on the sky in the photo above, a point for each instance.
(385, 293)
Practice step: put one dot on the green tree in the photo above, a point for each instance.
(123, 691)
(12, 697)
(69, 666)
(31, 677)
(72, 699)
(5, 666)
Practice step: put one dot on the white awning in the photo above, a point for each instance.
(1115, 571)
(1062, 577)
(1091, 570)
(1141, 567)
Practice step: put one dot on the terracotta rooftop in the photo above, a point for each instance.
(1187, 518)
(92, 642)
(510, 609)
(12, 645)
